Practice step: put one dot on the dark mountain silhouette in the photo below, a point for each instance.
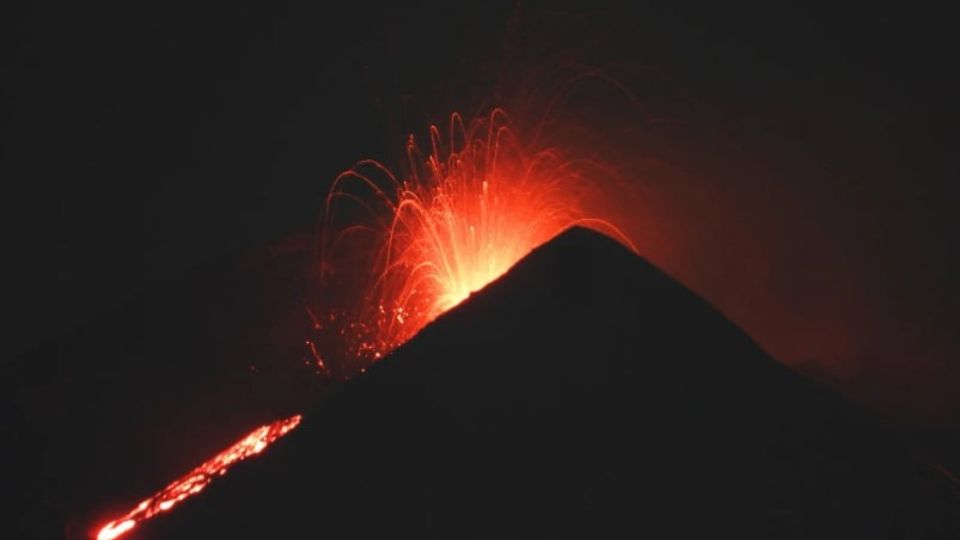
(583, 395)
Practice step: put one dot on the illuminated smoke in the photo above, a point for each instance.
(196, 480)
(467, 212)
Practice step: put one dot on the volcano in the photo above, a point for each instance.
(585, 394)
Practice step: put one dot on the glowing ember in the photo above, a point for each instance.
(462, 218)
(196, 480)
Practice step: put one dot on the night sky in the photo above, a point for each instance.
(792, 164)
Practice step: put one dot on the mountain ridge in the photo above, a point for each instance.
(584, 393)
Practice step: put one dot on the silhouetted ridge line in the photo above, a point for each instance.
(585, 394)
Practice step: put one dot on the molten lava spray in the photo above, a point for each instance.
(467, 212)
(197, 479)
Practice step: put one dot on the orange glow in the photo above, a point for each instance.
(196, 480)
(467, 212)
(114, 529)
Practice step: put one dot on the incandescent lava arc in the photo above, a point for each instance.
(478, 203)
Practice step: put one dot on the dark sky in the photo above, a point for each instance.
(807, 190)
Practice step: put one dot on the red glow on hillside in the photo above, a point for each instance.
(467, 212)
(196, 480)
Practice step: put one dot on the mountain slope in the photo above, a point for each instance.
(584, 394)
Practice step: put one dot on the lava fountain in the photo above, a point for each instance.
(478, 203)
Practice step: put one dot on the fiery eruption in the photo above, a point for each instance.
(467, 212)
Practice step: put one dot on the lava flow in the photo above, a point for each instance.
(197, 479)
(467, 212)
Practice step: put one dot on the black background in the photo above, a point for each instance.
(141, 141)
(799, 175)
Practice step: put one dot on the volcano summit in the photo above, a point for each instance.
(585, 394)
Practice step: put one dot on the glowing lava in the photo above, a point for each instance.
(465, 214)
(196, 480)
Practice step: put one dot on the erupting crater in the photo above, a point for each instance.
(416, 247)
(467, 212)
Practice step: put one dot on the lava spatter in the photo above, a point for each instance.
(479, 202)
(469, 210)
